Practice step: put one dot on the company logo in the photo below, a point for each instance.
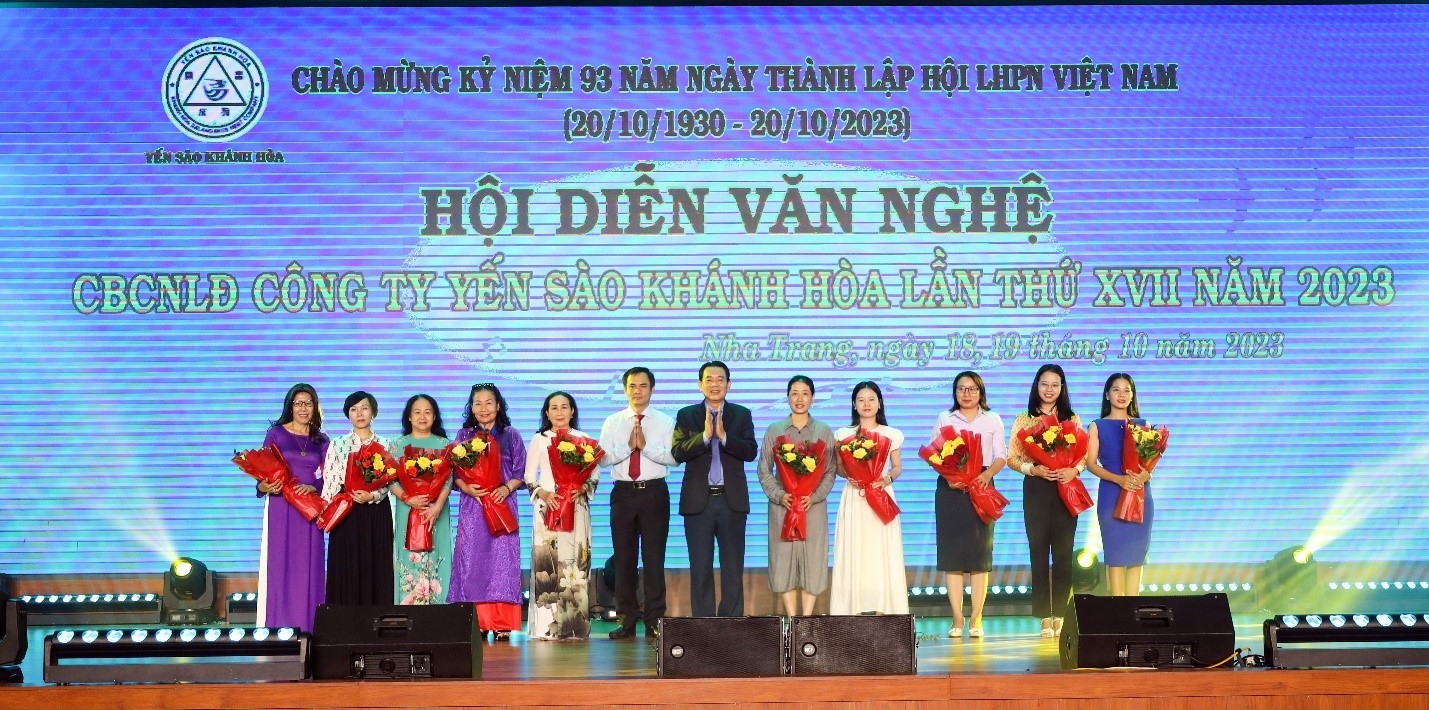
(215, 89)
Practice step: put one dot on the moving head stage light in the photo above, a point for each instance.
(188, 593)
(14, 641)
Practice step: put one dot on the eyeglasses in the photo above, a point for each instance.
(969, 390)
(302, 405)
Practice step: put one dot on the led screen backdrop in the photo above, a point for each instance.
(202, 207)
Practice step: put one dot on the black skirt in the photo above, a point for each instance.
(964, 540)
(359, 557)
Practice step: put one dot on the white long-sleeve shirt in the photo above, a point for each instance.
(655, 459)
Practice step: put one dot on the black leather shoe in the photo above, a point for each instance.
(623, 632)
(651, 632)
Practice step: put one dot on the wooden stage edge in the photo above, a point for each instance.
(1103, 690)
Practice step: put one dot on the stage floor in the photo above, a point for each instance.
(1011, 667)
(1012, 645)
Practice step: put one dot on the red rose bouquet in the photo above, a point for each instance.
(957, 456)
(478, 463)
(1141, 450)
(572, 460)
(1056, 445)
(267, 465)
(800, 466)
(864, 454)
(421, 473)
(369, 469)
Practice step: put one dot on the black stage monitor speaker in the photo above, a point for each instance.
(721, 647)
(386, 642)
(853, 645)
(1152, 632)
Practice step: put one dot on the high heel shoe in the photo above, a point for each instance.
(975, 631)
(1047, 631)
(1057, 627)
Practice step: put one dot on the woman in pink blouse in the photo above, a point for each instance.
(964, 540)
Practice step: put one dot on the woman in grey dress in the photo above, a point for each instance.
(798, 570)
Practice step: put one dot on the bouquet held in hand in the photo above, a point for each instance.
(369, 469)
(267, 465)
(800, 466)
(957, 456)
(864, 455)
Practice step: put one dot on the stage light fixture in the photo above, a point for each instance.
(1388, 596)
(242, 608)
(134, 655)
(188, 593)
(1287, 581)
(1088, 572)
(13, 643)
(1340, 640)
(90, 609)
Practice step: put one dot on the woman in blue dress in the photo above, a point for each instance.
(1124, 544)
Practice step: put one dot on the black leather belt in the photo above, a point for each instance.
(641, 485)
(716, 490)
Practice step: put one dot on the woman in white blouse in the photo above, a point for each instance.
(359, 556)
(560, 561)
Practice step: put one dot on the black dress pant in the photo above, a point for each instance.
(639, 529)
(1051, 531)
(719, 522)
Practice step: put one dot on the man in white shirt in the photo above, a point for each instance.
(637, 441)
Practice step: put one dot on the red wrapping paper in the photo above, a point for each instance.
(1062, 454)
(267, 465)
(479, 465)
(362, 475)
(866, 468)
(798, 481)
(416, 481)
(962, 465)
(572, 460)
(1131, 505)
(1075, 496)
